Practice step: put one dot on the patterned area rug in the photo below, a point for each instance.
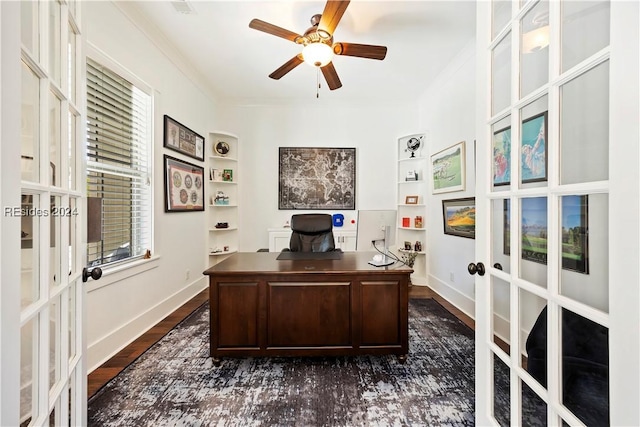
(175, 384)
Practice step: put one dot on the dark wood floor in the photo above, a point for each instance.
(112, 367)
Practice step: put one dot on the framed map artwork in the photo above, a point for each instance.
(317, 178)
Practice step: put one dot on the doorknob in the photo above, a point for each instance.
(476, 268)
(497, 265)
(95, 274)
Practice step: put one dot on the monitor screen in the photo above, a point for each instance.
(370, 226)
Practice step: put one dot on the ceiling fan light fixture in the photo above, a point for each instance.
(317, 54)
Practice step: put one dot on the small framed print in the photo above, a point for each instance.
(180, 138)
(411, 200)
(227, 175)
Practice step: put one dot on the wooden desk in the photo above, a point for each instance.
(261, 306)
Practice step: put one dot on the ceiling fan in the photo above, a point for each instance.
(319, 47)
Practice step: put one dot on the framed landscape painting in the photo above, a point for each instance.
(448, 169)
(574, 225)
(459, 217)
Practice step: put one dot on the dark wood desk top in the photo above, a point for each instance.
(266, 262)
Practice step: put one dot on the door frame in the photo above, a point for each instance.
(623, 189)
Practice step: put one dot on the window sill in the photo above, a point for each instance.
(121, 272)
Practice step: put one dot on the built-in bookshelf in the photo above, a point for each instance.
(222, 196)
(412, 189)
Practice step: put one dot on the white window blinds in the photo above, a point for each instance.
(118, 166)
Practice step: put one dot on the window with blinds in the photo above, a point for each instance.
(118, 166)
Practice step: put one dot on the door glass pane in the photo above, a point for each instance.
(501, 131)
(54, 342)
(501, 392)
(71, 54)
(29, 249)
(72, 322)
(54, 41)
(29, 18)
(534, 410)
(534, 50)
(533, 143)
(501, 304)
(584, 127)
(55, 243)
(501, 75)
(28, 369)
(30, 120)
(533, 254)
(54, 140)
(584, 31)
(585, 249)
(585, 368)
(500, 235)
(73, 404)
(533, 326)
(73, 140)
(501, 15)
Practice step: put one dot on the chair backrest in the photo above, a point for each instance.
(311, 233)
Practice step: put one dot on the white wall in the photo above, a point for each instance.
(447, 112)
(372, 129)
(122, 305)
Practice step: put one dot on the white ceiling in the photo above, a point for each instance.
(234, 61)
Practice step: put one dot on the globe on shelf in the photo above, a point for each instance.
(413, 144)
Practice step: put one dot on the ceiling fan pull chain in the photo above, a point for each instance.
(318, 82)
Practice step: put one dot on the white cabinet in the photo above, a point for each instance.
(345, 239)
(412, 190)
(222, 196)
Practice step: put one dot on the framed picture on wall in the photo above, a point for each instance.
(183, 186)
(574, 226)
(459, 217)
(180, 138)
(448, 169)
(502, 156)
(533, 149)
(533, 152)
(316, 178)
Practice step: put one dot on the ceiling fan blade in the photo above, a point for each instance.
(263, 26)
(360, 50)
(331, 76)
(286, 67)
(332, 14)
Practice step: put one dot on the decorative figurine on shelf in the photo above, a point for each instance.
(221, 199)
(413, 144)
(407, 246)
(418, 246)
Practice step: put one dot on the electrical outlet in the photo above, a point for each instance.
(451, 277)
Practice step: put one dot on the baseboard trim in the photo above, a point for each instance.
(109, 345)
(461, 301)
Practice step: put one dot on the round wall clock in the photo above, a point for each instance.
(221, 148)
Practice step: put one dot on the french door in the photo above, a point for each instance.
(52, 369)
(557, 284)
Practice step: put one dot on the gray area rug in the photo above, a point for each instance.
(175, 384)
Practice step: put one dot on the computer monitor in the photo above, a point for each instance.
(377, 226)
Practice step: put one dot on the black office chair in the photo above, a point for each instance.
(585, 364)
(312, 233)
